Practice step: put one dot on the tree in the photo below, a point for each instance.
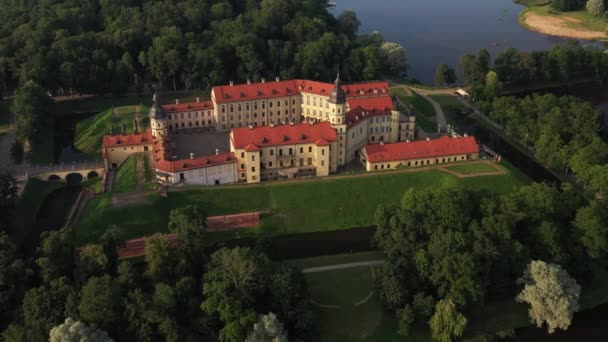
(93, 261)
(56, 254)
(591, 229)
(444, 75)
(160, 258)
(447, 323)
(405, 319)
(12, 276)
(31, 107)
(267, 329)
(493, 85)
(190, 226)
(552, 294)
(349, 22)
(394, 57)
(48, 305)
(100, 301)
(567, 5)
(8, 199)
(72, 330)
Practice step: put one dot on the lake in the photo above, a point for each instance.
(441, 31)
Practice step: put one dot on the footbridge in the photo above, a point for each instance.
(66, 172)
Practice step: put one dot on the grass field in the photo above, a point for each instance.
(294, 207)
(89, 132)
(452, 107)
(94, 184)
(420, 104)
(471, 168)
(351, 310)
(125, 180)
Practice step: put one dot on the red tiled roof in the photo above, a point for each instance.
(252, 148)
(270, 89)
(303, 133)
(357, 114)
(144, 138)
(254, 91)
(382, 103)
(444, 146)
(188, 106)
(165, 165)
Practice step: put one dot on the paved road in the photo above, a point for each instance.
(343, 266)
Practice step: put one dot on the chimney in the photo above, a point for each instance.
(466, 135)
(271, 124)
(263, 80)
(198, 99)
(217, 151)
(407, 140)
(176, 101)
(382, 143)
(312, 123)
(231, 83)
(428, 139)
(191, 155)
(248, 81)
(291, 123)
(277, 79)
(250, 126)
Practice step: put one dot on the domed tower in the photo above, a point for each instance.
(337, 101)
(158, 119)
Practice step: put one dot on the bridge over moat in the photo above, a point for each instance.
(70, 172)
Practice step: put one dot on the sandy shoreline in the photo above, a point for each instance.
(559, 26)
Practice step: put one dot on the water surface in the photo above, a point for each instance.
(441, 31)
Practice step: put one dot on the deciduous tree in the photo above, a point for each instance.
(72, 330)
(551, 293)
(447, 323)
(267, 329)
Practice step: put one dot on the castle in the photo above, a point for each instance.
(287, 128)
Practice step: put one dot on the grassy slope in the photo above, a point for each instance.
(588, 21)
(89, 132)
(423, 108)
(125, 176)
(29, 204)
(295, 207)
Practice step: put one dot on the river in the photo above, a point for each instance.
(441, 31)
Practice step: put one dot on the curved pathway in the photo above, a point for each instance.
(343, 266)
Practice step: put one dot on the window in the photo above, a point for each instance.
(301, 149)
(253, 169)
(375, 167)
(280, 151)
(272, 152)
(252, 158)
(322, 162)
(290, 151)
(242, 154)
(309, 149)
(242, 166)
(323, 151)
(242, 175)
(269, 164)
(253, 177)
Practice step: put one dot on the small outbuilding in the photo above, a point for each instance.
(463, 94)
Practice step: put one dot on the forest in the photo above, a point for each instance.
(111, 46)
(451, 252)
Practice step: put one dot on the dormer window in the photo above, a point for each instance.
(285, 138)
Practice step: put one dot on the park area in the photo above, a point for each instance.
(324, 204)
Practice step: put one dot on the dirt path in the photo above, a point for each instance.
(561, 26)
(498, 171)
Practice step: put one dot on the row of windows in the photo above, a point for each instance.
(255, 105)
(418, 163)
(281, 152)
(196, 115)
(255, 115)
(190, 124)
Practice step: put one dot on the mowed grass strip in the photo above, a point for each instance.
(468, 169)
(420, 104)
(295, 207)
(125, 180)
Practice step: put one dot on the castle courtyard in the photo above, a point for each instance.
(200, 141)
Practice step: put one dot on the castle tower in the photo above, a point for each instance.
(337, 102)
(158, 119)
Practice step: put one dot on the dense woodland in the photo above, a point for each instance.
(109, 45)
(450, 252)
(182, 292)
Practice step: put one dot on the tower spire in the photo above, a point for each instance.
(338, 95)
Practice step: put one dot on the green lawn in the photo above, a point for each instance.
(89, 132)
(94, 184)
(452, 107)
(420, 104)
(471, 168)
(532, 2)
(294, 207)
(125, 180)
(359, 315)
